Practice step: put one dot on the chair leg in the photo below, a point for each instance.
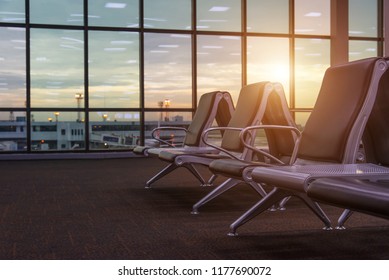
(161, 173)
(171, 167)
(343, 218)
(316, 209)
(226, 185)
(281, 205)
(258, 188)
(262, 192)
(196, 173)
(211, 180)
(246, 175)
(265, 203)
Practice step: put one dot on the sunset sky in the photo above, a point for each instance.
(57, 55)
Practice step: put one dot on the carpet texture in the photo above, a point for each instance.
(99, 209)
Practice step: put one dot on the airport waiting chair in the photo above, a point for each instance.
(213, 106)
(249, 110)
(280, 145)
(332, 135)
(368, 194)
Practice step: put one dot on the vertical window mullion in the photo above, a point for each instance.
(194, 58)
(385, 12)
(28, 77)
(292, 96)
(244, 42)
(142, 74)
(339, 32)
(381, 28)
(86, 76)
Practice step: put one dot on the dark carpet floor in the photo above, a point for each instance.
(99, 209)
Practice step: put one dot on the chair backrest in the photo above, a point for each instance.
(212, 105)
(334, 129)
(246, 113)
(280, 142)
(225, 110)
(376, 135)
(261, 103)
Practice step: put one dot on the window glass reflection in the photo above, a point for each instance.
(168, 70)
(268, 60)
(114, 130)
(57, 131)
(168, 14)
(12, 11)
(362, 49)
(219, 64)
(57, 67)
(312, 17)
(312, 59)
(57, 62)
(13, 67)
(268, 16)
(13, 131)
(69, 12)
(363, 18)
(118, 52)
(164, 119)
(219, 15)
(301, 119)
(115, 14)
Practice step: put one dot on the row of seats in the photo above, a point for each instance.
(322, 163)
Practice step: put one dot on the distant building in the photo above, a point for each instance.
(71, 135)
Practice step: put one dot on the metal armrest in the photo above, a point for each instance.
(248, 130)
(204, 137)
(155, 130)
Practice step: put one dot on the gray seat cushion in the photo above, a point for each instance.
(354, 194)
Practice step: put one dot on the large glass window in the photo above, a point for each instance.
(219, 15)
(168, 14)
(12, 67)
(363, 20)
(312, 59)
(69, 12)
(219, 64)
(301, 119)
(362, 49)
(113, 130)
(168, 70)
(312, 17)
(95, 75)
(13, 131)
(57, 67)
(163, 119)
(268, 60)
(12, 11)
(114, 14)
(57, 131)
(118, 52)
(268, 16)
